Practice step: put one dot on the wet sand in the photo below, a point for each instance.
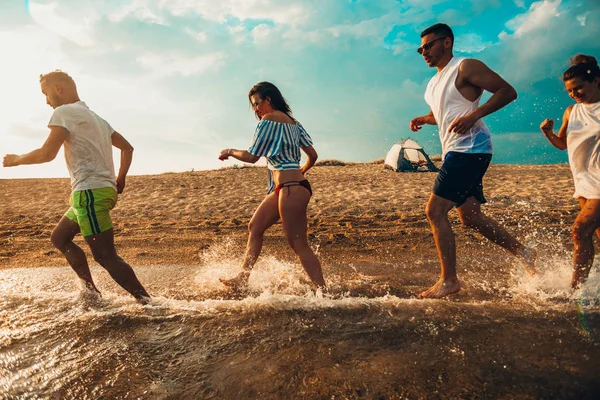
(503, 336)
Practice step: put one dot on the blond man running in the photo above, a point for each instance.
(88, 141)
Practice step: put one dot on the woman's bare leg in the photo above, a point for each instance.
(265, 216)
(585, 224)
(292, 207)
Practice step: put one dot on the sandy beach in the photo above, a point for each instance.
(503, 336)
(358, 210)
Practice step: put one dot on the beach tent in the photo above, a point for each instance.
(408, 156)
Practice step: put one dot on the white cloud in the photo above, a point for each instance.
(540, 41)
(77, 31)
(520, 3)
(539, 15)
(583, 18)
(471, 43)
(401, 46)
(373, 30)
(177, 64)
(139, 10)
(455, 17)
(200, 36)
(424, 3)
(150, 117)
(28, 52)
(277, 11)
(261, 33)
(239, 33)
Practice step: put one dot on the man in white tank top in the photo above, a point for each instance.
(88, 142)
(453, 96)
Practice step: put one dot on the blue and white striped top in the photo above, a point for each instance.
(280, 144)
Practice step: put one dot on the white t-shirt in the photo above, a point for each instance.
(88, 148)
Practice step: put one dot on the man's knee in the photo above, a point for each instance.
(105, 259)
(435, 212)
(583, 229)
(470, 220)
(59, 240)
(293, 244)
(99, 258)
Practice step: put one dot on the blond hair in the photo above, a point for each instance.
(57, 76)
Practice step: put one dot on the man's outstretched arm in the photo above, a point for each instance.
(126, 158)
(44, 154)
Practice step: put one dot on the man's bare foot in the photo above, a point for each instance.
(143, 300)
(320, 291)
(90, 298)
(576, 282)
(89, 285)
(239, 283)
(528, 258)
(441, 289)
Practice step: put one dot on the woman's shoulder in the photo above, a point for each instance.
(278, 116)
(568, 110)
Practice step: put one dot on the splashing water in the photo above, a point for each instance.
(196, 340)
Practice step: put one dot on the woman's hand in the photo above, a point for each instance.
(547, 126)
(224, 154)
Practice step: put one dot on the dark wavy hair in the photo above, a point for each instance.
(267, 89)
(583, 67)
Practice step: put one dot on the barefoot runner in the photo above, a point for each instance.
(88, 141)
(453, 95)
(279, 138)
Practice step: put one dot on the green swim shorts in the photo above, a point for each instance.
(91, 209)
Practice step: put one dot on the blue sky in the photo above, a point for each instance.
(173, 75)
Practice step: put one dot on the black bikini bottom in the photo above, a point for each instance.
(303, 183)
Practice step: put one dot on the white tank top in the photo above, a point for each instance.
(447, 104)
(583, 144)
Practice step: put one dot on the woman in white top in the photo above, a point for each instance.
(279, 138)
(580, 134)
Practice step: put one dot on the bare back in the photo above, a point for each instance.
(279, 116)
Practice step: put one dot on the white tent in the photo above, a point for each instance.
(408, 156)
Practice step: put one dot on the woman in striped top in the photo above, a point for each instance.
(279, 138)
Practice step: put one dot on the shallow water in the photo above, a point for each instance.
(504, 338)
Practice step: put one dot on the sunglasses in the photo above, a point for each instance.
(429, 45)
